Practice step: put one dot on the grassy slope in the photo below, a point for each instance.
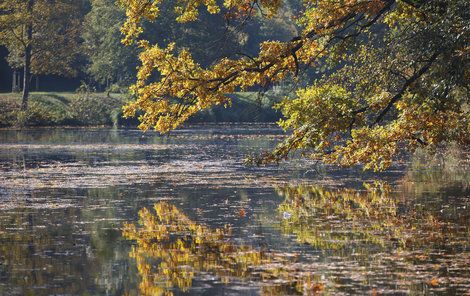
(59, 108)
(59, 100)
(51, 108)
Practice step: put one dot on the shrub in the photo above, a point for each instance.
(117, 89)
(90, 109)
(38, 114)
(8, 112)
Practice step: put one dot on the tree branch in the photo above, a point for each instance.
(407, 83)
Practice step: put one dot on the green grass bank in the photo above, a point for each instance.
(101, 109)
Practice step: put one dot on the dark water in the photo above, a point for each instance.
(70, 201)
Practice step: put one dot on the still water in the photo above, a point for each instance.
(112, 212)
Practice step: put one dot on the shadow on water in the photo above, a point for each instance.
(102, 212)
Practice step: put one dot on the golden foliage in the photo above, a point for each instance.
(392, 82)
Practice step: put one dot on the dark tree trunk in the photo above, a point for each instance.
(37, 83)
(13, 83)
(108, 91)
(18, 80)
(27, 60)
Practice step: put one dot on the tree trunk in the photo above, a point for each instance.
(13, 83)
(108, 91)
(18, 79)
(27, 60)
(37, 83)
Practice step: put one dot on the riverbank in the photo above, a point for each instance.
(102, 109)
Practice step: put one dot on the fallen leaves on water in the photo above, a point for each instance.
(318, 288)
(434, 282)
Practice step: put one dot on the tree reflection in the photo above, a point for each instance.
(378, 228)
(171, 249)
(33, 255)
(336, 218)
(361, 239)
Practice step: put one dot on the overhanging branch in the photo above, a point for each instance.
(405, 86)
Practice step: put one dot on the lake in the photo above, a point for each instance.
(118, 212)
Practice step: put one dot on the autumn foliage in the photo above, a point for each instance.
(391, 75)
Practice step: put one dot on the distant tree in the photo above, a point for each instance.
(42, 37)
(391, 74)
(109, 60)
(208, 38)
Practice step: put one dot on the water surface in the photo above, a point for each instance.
(71, 201)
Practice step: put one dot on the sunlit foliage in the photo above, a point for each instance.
(391, 74)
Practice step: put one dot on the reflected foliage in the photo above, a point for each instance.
(61, 219)
(171, 249)
(33, 255)
(416, 232)
(336, 218)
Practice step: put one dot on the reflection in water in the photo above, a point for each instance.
(385, 232)
(373, 215)
(65, 193)
(310, 207)
(370, 240)
(170, 249)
